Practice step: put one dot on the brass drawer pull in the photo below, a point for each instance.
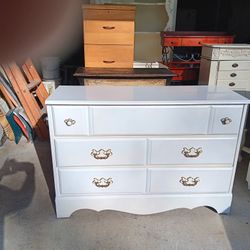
(108, 27)
(231, 84)
(189, 181)
(69, 122)
(191, 152)
(225, 120)
(233, 75)
(101, 154)
(108, 61)
(102, 183)
(235, 65)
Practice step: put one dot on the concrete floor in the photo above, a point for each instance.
(27, 218)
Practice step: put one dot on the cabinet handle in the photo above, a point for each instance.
(69, 122)
(101, 154)
(233, 74)
(189, 181)
(108, 27)
(231, 84)
(191, 152)
(102, 183)
(108, 61)
(235, 65)
(225, 120)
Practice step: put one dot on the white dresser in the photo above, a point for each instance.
(226, 65)
(144, 150)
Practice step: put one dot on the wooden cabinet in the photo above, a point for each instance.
(186, 62)
(108, 34)
(144, 150)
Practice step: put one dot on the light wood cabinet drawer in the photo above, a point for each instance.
(191, 150)
(190, 180)
(109, 56)
(150, 120)
(70, 120)
(79, 152)
(109, 32)
(109, 14)
(233, 75)
(234, 84)
(226, 119)
(234, 65)
(104, 180)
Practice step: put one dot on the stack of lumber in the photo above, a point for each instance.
(22, 103)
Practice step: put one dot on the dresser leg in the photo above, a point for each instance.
(227, 211)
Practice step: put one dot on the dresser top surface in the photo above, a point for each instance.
(155, 95)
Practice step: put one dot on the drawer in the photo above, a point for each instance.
(190, 180)
(191, 150)
(150, 120)
(233, 75)
(104, 180)
(109, 32)
(229, 39)
(226, 119)
(234, 65)
(211, 40)
(109, 56)
(100, 152)
(172, 41)
(192, 42)
(234, 84)
(109, 14)
(70, 120)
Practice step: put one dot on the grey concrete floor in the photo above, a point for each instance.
(27, 218)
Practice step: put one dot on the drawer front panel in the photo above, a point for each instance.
(108, 14)
(234, 65)
(104, 180)
(79, 152)
(150, 120)
(192, 42)
(193, 150)
(70, 120)
(234, 84)
(190, 180)
(109, 56)
(109, 32)
(226, 119)
(233, 75)
(172, 41)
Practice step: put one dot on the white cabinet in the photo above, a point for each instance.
(226, 65)
(144, 150)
